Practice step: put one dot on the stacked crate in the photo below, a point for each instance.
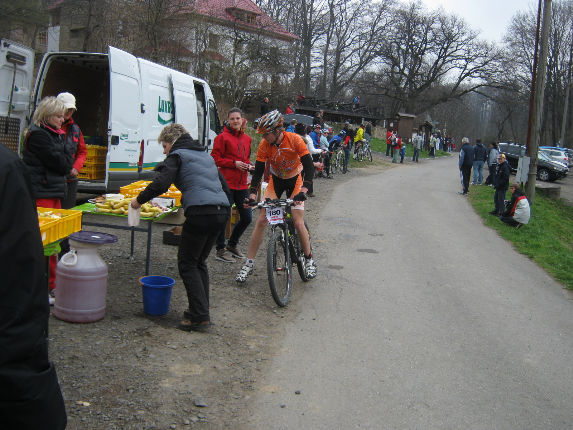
(94, 166)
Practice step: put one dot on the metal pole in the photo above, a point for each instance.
(538, 105)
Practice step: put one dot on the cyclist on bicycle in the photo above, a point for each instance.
(291, 172)
(358, 137)
(336, 141)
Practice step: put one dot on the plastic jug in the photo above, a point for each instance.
(81, 279)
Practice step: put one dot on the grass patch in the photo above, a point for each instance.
(547, 239)
(379, 145)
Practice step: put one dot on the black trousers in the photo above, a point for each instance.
(499, 200)
(197, 239)
(466, 173)
(509, 220)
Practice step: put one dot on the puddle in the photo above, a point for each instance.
(369, 251)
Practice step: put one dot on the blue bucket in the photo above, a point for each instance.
(156, 294)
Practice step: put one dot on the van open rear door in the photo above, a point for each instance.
(185, 104)
(124, 116)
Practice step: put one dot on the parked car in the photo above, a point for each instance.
(547, 168)
(305, 119)
(558, 154)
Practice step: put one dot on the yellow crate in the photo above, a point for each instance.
(95, 159)
(133, 189)
(53, 229)
(48, 230)
(92, 172)
(96, 150)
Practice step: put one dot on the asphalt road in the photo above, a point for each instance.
(421, 318)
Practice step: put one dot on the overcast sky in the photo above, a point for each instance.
(490, 16)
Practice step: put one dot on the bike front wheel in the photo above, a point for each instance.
(368, 155)
(279, 270)
(340, 161)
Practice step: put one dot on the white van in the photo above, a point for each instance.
(16, 74)
(123, 103)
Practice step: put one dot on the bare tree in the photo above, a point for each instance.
(430, 58)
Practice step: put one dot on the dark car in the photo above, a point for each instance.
(305, 119)
(547, 169)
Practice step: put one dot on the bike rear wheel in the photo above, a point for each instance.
(279, 268)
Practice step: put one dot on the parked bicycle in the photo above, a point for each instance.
(337, 160)
(283, 250)
(364, 152)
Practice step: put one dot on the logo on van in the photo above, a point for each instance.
(164, 107)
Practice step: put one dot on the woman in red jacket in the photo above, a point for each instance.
(231, 152)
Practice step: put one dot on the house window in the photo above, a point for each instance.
(213, 41)
(43, 38)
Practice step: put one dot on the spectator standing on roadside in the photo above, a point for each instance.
(403, 151)
(291, 126)
(417, 144)
(48, 162)
(433, 143)
(265, 106)
(501, 183)
(396, 146)
(325, 152)
(315, 135)
(480, 155)
(389, 143)
(347, 145)
(289, 109)
(368, 132)
(75, 145)
(465, 164)
(231, 152)
(303, 131)
(491, 163)
(30, 395)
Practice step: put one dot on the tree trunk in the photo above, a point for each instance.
(538, 101)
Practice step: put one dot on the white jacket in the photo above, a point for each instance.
(522, 211)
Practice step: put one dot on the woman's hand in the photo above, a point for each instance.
(135, 204)
(74, 172)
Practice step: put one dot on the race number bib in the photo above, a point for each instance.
(275, 215)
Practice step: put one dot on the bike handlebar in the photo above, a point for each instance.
(273, 203)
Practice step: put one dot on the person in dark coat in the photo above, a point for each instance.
(30, 396)
(480, 156)
(465, 164)
(501, 183)
(204, 199)
(48, 161)
(265, 106)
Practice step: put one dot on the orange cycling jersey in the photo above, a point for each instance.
(285, 160)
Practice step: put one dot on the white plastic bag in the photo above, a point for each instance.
(133, 216)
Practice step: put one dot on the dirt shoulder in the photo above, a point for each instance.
(133, 371)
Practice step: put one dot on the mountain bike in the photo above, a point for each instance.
(337, 160)
(364, 152)
(283, 250)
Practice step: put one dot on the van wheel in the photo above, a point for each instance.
(543, 174)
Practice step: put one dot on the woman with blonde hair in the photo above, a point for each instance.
(47, 161)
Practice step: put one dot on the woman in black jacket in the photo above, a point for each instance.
(47, 161)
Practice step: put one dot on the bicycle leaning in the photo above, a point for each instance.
(364, 152)
(283, 250)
